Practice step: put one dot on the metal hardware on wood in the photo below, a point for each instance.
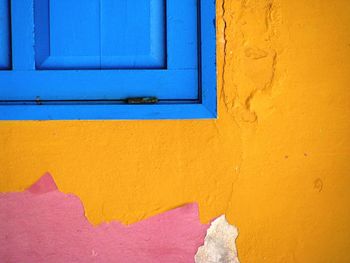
(142, 100)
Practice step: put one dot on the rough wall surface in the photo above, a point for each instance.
(276, 161)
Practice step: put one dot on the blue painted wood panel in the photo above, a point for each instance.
(105, 112)
(4, 35)
(99, 85)
(66, 63)
(100, 34)
(73, 34)
(56, 78)
(22, 41)
(135, 38)
(182, 38)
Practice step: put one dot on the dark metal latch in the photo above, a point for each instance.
(142, 100)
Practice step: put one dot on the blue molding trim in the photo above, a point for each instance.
(204, 108)
(106, 112)
(208, 57)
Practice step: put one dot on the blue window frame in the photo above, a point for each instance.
(107, 59)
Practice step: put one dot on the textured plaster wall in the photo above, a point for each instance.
(277, 161)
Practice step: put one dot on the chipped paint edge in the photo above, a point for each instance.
(219, 243)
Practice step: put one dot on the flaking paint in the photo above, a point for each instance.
(48, 226)
(276, 161)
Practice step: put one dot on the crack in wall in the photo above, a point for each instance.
(249, 68)
(223, 95)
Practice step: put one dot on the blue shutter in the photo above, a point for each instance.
(63, 59)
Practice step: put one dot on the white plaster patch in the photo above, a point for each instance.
(219, 243)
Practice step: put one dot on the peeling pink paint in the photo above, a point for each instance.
(44, 225)
(44, 185)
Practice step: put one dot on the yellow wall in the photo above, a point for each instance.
(276, 161)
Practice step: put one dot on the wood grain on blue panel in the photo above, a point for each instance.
(4, 35)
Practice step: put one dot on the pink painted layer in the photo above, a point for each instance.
(45, 225)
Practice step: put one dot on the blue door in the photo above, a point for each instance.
(64, 59)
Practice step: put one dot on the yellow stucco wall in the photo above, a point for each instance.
(277, 161)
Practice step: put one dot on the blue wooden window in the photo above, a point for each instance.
(64, 59)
